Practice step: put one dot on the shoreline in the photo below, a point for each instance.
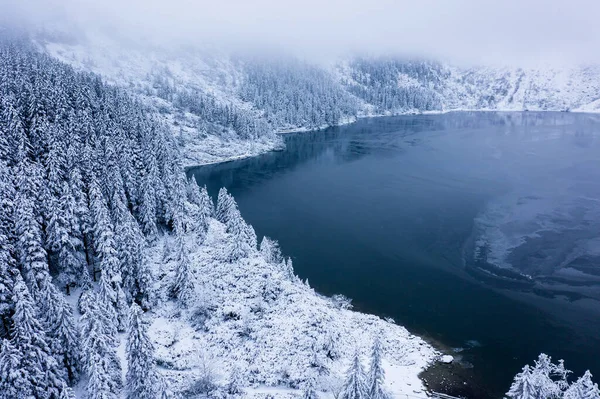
(283, 132)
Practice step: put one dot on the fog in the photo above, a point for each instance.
(467, 31)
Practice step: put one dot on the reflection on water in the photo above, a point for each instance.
(467, 227)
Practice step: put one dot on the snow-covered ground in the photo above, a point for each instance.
(273, 328)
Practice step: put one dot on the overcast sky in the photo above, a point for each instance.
(474, 31)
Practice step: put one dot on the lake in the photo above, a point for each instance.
(477, 230)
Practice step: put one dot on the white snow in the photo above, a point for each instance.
(276, 329)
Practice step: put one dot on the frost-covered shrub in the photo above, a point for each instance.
(270, 290)
(200, 316)
(207, 381)
(234, 386)
(342, 301)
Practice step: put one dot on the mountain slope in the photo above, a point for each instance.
(397, 86)
(222, 106)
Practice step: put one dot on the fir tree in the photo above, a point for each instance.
(147, 209)
(142, 379)
(200, 208)
(99, 342)
(243, 238)
(269, 249)
(15, 381)
(45, 376)
(67, 241)
(32, 256)
(355, 386)
(583, 388)
(309, 391)
(523, 386)
(108, 298)
(61, 328)
(207, 207)
(376, 375)
(225, 203)
(129, 244)
(66, 392)
(183, 287)
(235, 381)
(7, 278)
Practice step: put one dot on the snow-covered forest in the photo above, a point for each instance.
(295, 95)
(86, 174)
(119, 278)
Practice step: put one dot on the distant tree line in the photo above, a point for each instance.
(216, 117)
(292, 94)
(396, 86)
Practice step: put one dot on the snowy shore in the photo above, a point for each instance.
(255, 320)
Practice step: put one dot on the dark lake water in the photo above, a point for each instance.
(477, 230)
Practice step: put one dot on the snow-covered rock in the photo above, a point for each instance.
(447, 359)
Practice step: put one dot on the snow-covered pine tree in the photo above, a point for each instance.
(32, 255)
(239, 241)
(7, 279)
(269, 249)
(183, 286)
(44, 375)
(235, 381)
(523, 386)
(355, 386)
(70, 263)
(583, 388)
(543, 372)
(14, 379)
(288, 268)
(111, 291)
(147, 208)
(208, 207)
(108, 298)
(142, 380)
(66, 392)
(129, 244)
(102, 226)
(376, 375)
(225, 203)
(60, 325)
(175, 184)
(99, 348)
(193, 205)
(200, 208)
(56, 230)
(309, 391)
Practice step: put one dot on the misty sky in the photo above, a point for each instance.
(473, 31)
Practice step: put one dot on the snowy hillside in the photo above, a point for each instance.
(193, 94)
(223, 106)
(254, 321)
(396, 86)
